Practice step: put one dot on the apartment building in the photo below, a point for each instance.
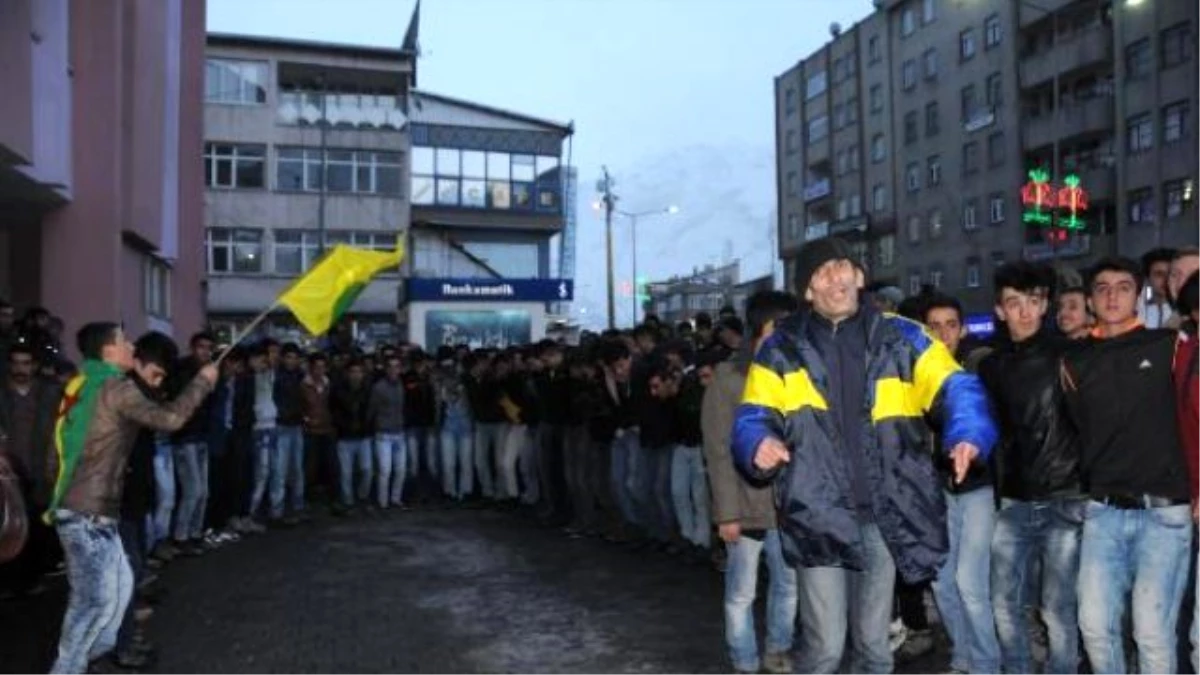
(973, 96)
(681, 298)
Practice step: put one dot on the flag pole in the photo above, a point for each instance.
(249, 329)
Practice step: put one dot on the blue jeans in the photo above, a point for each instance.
(164, 489)
(288, 474)
(458, 465)
(101, 585)
(351, 453)
(741, 587)
(266, 444)
(836, 601)
(1027, 533)
(391, 461)
(191, 465)
(663, 504)
(1140, 551)
(422, 451)
(689, 488)
(623, 472)
(963, 588)
(489, 443)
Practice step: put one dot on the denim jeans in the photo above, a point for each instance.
(101, 584)
(963, 588)
(164, 489)
(391, 460)
(288, 474)
(689, 487)
(515, 438)
(489, 442)
(835, 602)
(266, 443)
(352, 453)
(623, 470)
(458, 460)
(1028, 533)
(1140, 551)
(741, 587)
(422, 452)
(191, 465)
(577, 467)
(662, 504)
(527, 460)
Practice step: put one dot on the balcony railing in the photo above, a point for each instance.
(817, 189)
(361, 111)
(816, 230)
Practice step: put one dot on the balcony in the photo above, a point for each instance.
(1083, 49)
(816, 230)
(358, 111)
(1100, 183)
(817, 189)
(1094, 116)
(1075, 247)
(982, 119)
(847, 225)
(1030, 14)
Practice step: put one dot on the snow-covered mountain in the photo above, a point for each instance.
(726, 200)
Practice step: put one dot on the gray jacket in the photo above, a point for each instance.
(733, 497)
(386, 408)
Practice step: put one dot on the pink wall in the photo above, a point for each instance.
(16, 77)
(188, 276)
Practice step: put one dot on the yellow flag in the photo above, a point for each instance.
(320, 297)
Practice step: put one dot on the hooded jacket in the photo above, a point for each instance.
(734, 499)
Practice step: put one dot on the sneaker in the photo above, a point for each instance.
(777, 663)
(918, 644)
(897, 634)
(254, 527)
(165, 552)
(241, 525)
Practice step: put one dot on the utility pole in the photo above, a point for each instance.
(604, 187)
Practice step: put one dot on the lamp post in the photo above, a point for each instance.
(633, 221)
(608, 202)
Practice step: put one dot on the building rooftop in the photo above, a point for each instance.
(273, 42)
(417, 95)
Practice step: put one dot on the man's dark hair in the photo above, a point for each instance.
(22, 348)
(766, 306)
(731, 323)
(1079, 290)
(683, 327)
(94, 337)
(912, 308)
(1154, 256)
(355, 362)
(611, 351)
(1187, 301)
(291, 348)
(318, 357)
(1185, 252)
(155, 348)
(727, 310)
(645, 330)
(1116, 264)
(704, 321)
(941, 301)
(1023, 276)
(202, 336)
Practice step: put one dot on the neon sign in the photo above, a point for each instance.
(1038, 198)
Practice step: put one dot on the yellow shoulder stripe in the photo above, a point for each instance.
(894, 398)
(787, 393)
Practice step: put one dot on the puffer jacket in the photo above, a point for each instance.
(909, 374)
(734, 499)
(1037, 457)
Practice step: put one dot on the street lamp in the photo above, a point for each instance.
(633, 220)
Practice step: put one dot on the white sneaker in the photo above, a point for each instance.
(897, 634)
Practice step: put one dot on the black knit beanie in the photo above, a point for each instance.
(816, 253)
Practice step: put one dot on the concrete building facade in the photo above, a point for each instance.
(100, 143)
(681, 298)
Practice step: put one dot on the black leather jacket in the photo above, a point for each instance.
(1038, 454)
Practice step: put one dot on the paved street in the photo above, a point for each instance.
(423, 591)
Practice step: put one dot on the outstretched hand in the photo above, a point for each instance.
(963, 454)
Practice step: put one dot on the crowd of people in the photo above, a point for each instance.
(1036, 482)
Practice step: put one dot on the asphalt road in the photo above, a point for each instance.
(421, 591)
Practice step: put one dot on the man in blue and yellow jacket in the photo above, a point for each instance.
(834, 413)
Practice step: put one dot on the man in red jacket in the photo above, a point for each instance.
(1187, 372)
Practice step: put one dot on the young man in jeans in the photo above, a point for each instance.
(265, 455)
(1041, 499)
(745, 513)
(387, 416)
(191, 454)
(289, 404)
(101, 413)
(1137, 534)
(349, 403)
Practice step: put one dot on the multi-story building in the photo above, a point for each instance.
(963, 98)
(100, 132)
(566, 242)
(681, 298)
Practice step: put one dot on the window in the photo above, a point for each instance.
(1141, 205)
(234, 250)
(156, 288)
(911, 130)
(970, 161)
(510, 259)
(887, 250)
(914, 283)
(914, 229)
(908, 74)
(1176, 45)
(908, 22)
(997, 259)
(854, 160)
(851, 65)
(912, 176)
(229, 81)
(969, 102)
(234, 166)
(839, 70)
(492, 180)
(851, 110)
(295, 251)
(991, 31)
(790, 143)
(793, 227)
(873, 51)
(929, 63)
(996, 149)
(839, 116)
(815, 86)
(973, 273)
(1138, 60)
(818, 128)
(935, 223)
(843, 209)
(1140, 131)
(1177, 196)
(966, 44)
(934, 164)
(1175, 121)
(792, 185)
(932, 123)
(936, 274)
(789, 101)
(842, 163)
(969, 220)
(353, 171)
(928, 11)
(878, 148)
(995, 90)
(996, 208)
(879, 197)
(876, 98)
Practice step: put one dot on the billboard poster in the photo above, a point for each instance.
(478, 329)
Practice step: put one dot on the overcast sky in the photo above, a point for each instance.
(638, 77)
